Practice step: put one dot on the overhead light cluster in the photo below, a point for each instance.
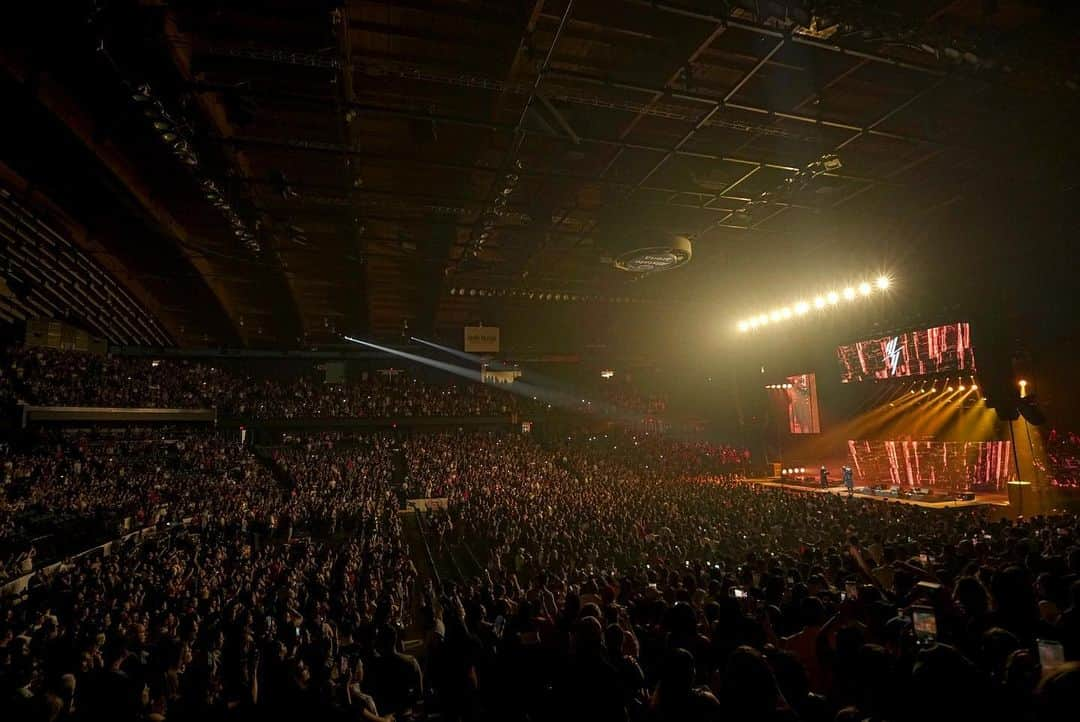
(828, 163)
(817, 303)
(779, 386)
(175, 135)
(542, 295)
(793, 470)
(484, 228)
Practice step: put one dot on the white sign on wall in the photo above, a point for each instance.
(481, 339)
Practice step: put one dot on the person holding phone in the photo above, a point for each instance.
(1051, 654)
(924, 622)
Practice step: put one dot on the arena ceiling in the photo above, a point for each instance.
(276, 173)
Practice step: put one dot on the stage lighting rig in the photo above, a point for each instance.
(864, 289)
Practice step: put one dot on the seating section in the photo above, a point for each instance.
(599, 575)
(69, 378)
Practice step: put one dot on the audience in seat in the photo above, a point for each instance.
(603, 576)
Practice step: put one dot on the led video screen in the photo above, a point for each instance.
(942, 464)
(802, 404)
(915, 353)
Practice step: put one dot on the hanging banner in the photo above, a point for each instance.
(481, 339)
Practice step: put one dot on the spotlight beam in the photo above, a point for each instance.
(471, 374)
(447, 349)
(553, 397)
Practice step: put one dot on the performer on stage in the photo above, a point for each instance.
(824, 477)
(849, 479)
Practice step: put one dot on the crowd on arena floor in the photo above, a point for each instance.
(613, 592)
(109, 477)
(615, 582)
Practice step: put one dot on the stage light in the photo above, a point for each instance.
(1023, 388)
(913, 391)
(883, 282)
(933, 389)
(802, 307)
(753, 322)
(974, 387)
(962, 388)
(949, 389)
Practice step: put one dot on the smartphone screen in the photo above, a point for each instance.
(852, 590)
(925, 624)
(738, 593)
(1051, 654)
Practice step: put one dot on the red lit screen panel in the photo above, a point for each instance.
(942, 464)
(802, 404)
(914, 353)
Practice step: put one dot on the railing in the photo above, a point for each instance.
(427, 548)
(115, 413)
(17, 585)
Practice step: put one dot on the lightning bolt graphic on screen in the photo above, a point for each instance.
(892, 350)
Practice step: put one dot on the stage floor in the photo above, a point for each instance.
(988, 499)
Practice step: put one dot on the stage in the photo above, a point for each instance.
(999, 499)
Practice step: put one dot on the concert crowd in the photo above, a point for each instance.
(70, 378)
(601, 576)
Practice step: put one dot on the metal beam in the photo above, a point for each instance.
(82, 239)
(335, 149)
(746, 107)
(870, 128)
(892, 174)
(882, 119)
(519, 131)
(774, 33)
(656, 93)
(660, 93)
(649, 104)
(349, 198)
(505, 128)
(360, 320)
(559, 118)
(178, 45)
(57, 101)
(701, 123)
(705, 119)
